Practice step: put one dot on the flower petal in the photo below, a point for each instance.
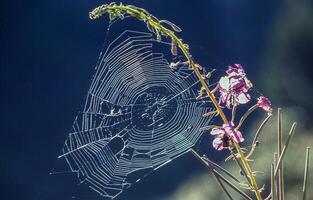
(264, 103)
(224, 83)
(238, 136)
(243, 98)
(218, 144)
(217, 131)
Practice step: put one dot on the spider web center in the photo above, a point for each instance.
(152, 108)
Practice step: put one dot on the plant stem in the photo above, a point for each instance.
(273, 192)
(283, 153)
(279, 151)
(244, 117)
(276, 186)
(306, 172)
(256, 136)
(244, 173)
(248, 170)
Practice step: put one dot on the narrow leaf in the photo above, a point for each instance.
(222, 185)
(233, 186)
(213, 164)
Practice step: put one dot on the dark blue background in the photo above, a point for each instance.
(48, 52)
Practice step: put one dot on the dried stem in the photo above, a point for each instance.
(283, 153)
(306, 172)
(244, 117)
(256, 136)
(276, 183)
(279, 151)
(273, 192)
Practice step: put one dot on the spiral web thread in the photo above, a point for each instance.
(138, 116)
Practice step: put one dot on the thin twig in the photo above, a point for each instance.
(256, 136)
(244, 117)
(306, 172)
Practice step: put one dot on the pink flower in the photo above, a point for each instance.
(219, 143)
(264, 103)
(234, 86)
(236, 70)
(224, 134)
(233, 90)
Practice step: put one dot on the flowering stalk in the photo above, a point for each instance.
(156, 26)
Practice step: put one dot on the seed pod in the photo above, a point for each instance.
(209, 74)
(150, 28)
(120, 15)
(198, 66)
(154, 18)
(112, 4)
(174, 26)
(112, 16)
(175, 66)
(174, 48)
(158, 35)
(210, 113)
(200, 93)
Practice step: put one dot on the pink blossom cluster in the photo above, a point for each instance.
(234, 87)
(222, 136)
(233, 90)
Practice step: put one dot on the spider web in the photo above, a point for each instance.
(138, 115)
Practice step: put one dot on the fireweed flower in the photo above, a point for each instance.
(236, 70)
(224, 134)
(264, 103)
(234, 90)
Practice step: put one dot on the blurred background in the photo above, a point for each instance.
(48, 50)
